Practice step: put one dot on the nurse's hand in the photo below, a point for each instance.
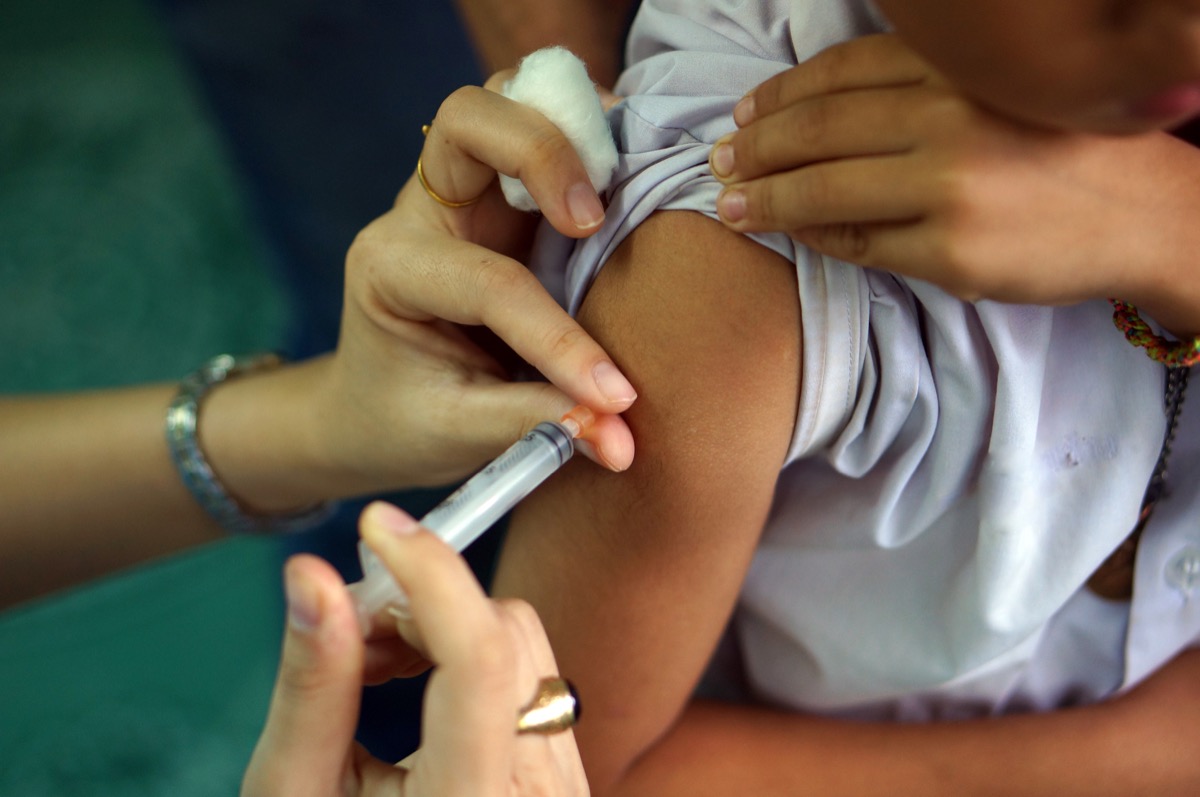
(488, 658)
(410, 398)
(866, 153)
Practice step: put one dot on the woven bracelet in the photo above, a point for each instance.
(1171, 353)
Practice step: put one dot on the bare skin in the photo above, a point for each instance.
(634, 577)
(505, 30)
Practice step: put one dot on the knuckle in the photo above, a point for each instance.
(495, 657)
(360, 252)
(747, 151)
(493, 277)
(956, 266)
(768, 95)
(564, 339)
(811, 128)
(498, 79)
(496, 282)
(545, 145)
(455, 106)
(761, 204)
(941, 119)
(849, 242)
(524, 615)
(363, 246)
(364, 256)
(533, 779)
(814, 189)
(299, 682)
(854, 241)
(827, 68)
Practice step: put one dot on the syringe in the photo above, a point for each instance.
(477, 504)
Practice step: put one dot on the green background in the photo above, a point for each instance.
(126, 255)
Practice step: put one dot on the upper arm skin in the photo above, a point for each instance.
(635, 574)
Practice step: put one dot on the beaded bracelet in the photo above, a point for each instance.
(1171, 353)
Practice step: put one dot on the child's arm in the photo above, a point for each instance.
(1144, 743)
(505, 30)
(635, 574)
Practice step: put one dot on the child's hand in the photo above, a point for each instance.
(865, 153)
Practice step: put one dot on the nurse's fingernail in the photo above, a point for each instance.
(731, 205)
(391, 518)
(612, 384)
(584, 206)
(722, 159)
(743, 112)
(303, 602)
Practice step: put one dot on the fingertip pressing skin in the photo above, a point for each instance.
(604, 439)
(608, 442)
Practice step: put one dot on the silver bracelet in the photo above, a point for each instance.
(194, 469)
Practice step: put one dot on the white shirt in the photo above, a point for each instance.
(956, 472)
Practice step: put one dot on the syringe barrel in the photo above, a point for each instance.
(489, 494)
(473, 508)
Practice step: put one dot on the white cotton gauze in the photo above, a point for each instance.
(555, 83)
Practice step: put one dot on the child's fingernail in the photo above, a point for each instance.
(391, 518)
(303, 602)
(731, 205)
(722, 159)
(584, 206)
(743, 112)
(612, 384)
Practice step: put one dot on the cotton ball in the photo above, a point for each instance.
(555, 83)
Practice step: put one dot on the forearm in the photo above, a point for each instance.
(1141, 744)
(87, 484)
(505, 30)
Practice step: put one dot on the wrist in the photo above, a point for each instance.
(258, 434)
(1163, 278)
(1172, 302)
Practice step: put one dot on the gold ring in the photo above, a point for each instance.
(437, 197)
(553, 709)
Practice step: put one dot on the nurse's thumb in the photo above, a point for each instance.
(314, 708)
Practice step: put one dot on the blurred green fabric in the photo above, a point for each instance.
(126, 255)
